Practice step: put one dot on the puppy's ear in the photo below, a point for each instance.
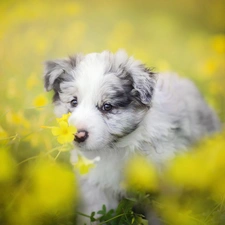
(141, 78)
(144, 83)
(57, 71)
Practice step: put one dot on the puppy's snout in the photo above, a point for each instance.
(81, 136)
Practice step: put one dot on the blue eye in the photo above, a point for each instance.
(107, 107)
(74, 102)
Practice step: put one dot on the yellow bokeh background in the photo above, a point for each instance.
(187, 37)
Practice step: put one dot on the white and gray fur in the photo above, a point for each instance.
(156, 115)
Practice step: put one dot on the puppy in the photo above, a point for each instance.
(121, 107)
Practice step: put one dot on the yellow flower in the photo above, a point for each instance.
(64, 132)
(40, 101)
(83, 165)
(140, 175)
(64, 118)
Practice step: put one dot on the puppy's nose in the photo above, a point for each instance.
(81, 136)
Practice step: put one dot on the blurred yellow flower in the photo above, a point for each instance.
(140, 175)
(26, 212)
(187, 171)
(210, 67)
(177, 213)
(218, 43)
(83, 165)
(214, 150)
(40, 101)
(17, 118)
(53, 185)
(200, 168)
(7, 165)
(49, 189)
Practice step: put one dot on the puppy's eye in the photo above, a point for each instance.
(107, 107)
(74, 102)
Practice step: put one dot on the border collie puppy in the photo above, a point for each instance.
(120, 107)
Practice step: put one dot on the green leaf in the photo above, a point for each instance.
(144, 222)
(92, 217)
(102, 211)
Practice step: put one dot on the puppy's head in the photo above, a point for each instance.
(107, 94)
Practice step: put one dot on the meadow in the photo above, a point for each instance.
(37, 182)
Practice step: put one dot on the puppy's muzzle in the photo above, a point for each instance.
(81, 136)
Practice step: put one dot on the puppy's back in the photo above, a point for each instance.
(179, 104)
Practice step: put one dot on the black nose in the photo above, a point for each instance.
(81, 136)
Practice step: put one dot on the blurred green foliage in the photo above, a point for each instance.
(178, 35)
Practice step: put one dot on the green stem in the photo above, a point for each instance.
(82, 214)
(113, 218)
(8, 138)
(37, 156)
(57, 155)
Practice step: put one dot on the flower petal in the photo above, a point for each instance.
(69, 138)
(84, 165)
(72, 129)
(61, 139)
(64, 118)
(63, 125)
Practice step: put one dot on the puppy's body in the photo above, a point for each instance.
(124, 108)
